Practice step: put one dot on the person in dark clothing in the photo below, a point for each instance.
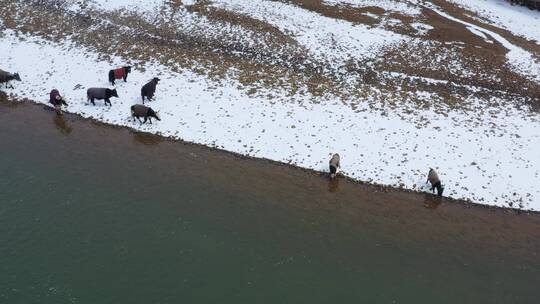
(57, 101)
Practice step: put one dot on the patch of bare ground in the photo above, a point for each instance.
(461, 59)
(343, 11)
(515, 82)
(473, 18)
(368, 15)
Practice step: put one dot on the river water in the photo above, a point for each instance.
(96, 214)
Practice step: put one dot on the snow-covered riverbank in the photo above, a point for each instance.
(487, 164)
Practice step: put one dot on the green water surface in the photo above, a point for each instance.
(92, 214)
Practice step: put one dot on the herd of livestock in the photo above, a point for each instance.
(139, 111)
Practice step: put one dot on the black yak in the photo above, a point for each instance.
(57, 101)
(120, 73)
(138, 111)
(149, 89)
(334, 165)
(6, 77)
(101, 93)
(433, 178)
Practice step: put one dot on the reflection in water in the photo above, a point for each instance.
(62, 125)
(431, 201)
(147, 138)
(333, 184)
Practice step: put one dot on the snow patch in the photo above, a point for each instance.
(421, 28)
